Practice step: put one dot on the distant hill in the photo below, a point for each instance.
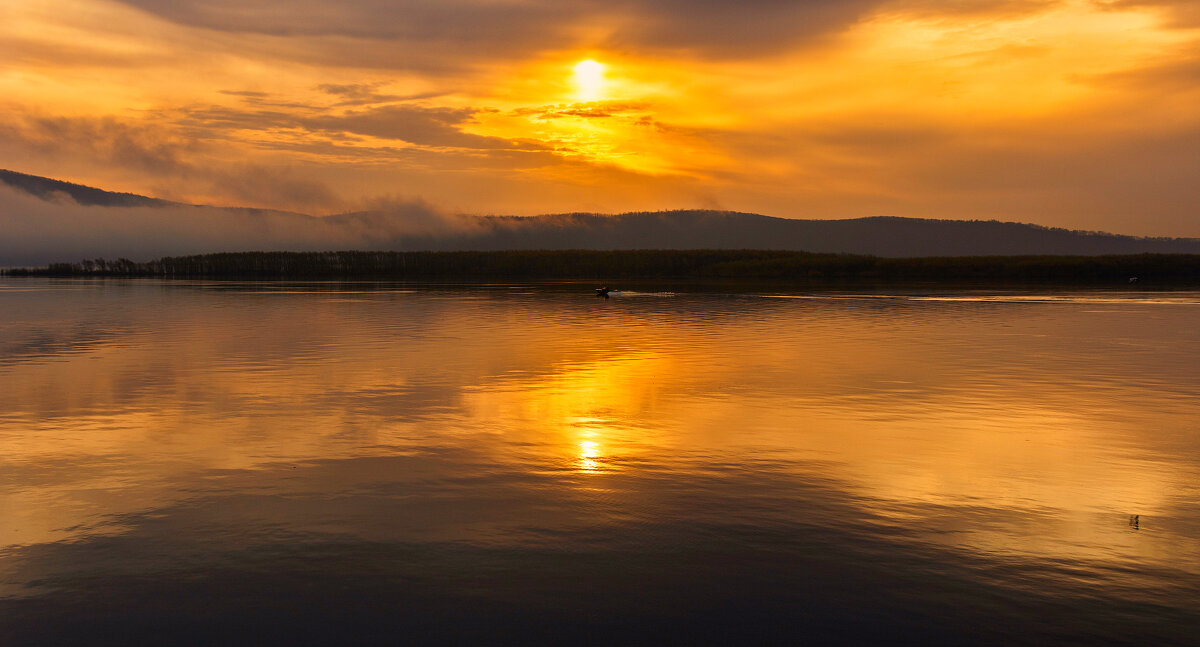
(878, 236)
(46, 189)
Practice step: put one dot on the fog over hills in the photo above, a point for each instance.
(878, 236)
(47, 220)
(48, 189)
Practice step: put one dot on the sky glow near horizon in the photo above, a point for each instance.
(1072, 113)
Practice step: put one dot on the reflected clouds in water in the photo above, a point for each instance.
(739, 461)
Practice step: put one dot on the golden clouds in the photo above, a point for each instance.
(802, 110)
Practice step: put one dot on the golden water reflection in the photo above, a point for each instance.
(1015, 429)
(589, 452)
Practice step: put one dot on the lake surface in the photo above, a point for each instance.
(324, 463)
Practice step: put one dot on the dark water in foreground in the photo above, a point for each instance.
(221, 463)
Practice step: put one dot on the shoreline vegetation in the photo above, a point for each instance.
(752, 265)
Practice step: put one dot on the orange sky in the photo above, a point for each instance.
(1074, 113)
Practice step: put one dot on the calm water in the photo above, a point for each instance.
(217, 463)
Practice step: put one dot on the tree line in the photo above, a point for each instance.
(769, 265)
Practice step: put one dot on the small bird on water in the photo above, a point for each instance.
(602, 292)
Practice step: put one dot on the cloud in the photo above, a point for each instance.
(414, 124)
(423, 126)
(1184, 14)
(157, 155)
(419, 20)
(305, 104)
(246, 94)
(142, 147)
(433, 33)
(1134, 184)
(588, 110)
(1180, 75)
(39, 231)
(357, 94)
(282, 158)
(249, 184)
(734, 29)
(960, 8)
(426, 34)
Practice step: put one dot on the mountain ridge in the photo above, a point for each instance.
(46, 188)
(888, 236)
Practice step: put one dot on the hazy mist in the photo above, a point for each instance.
(40, 231)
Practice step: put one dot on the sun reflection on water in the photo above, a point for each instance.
(964, 447)
(583, 413)
(589, 453)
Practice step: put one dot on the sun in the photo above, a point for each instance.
(589, 80)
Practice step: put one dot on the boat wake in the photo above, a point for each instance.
(633, 293)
